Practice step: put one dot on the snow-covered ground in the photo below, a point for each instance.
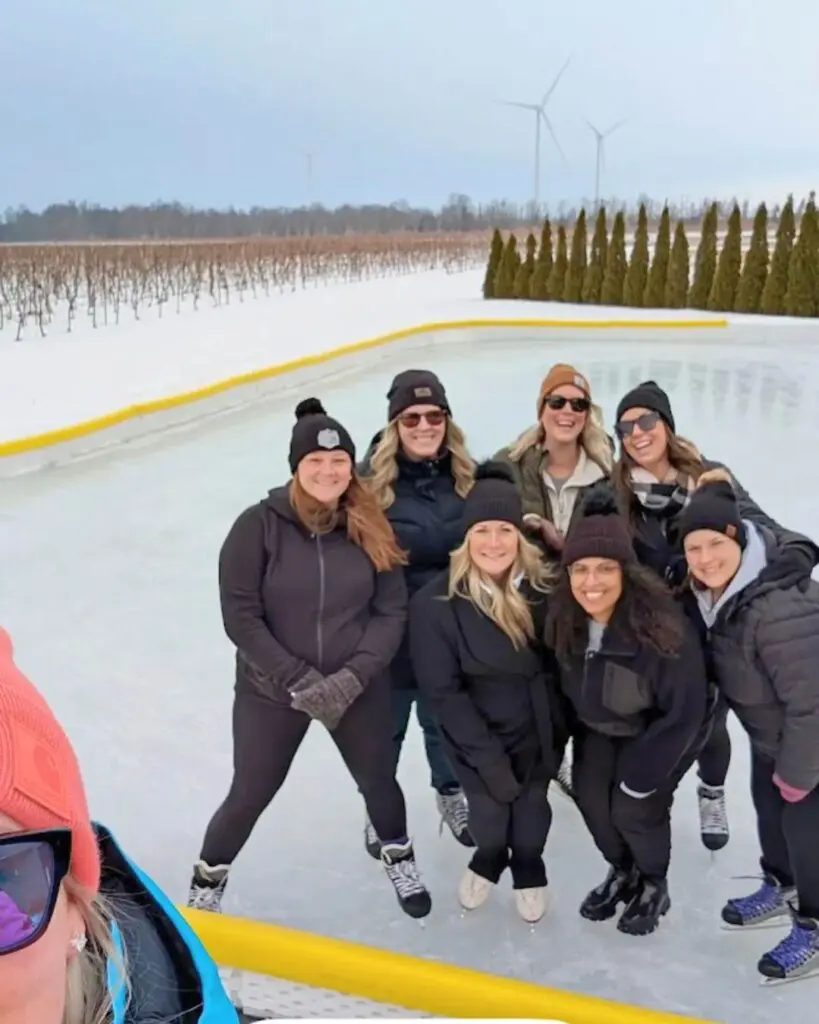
(57, 381)
(109, 588)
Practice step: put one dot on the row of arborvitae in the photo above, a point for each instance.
(784, 282)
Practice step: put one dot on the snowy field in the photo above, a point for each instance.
(52, 382)
(109, 588)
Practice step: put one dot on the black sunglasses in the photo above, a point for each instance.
(559, 401)
(32, 868)
(648, 421)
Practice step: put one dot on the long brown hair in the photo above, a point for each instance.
(367, 526)
(646, 609)
(683, 455)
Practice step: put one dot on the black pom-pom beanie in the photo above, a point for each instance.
(315, 431)
(493, 496)
(599, 530)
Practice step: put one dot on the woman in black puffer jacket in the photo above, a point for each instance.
(655, 475)
(420, 472)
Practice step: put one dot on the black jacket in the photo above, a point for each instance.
(763, 642)
(293, 600)
(657, 704)
(498, 708)
(426, 517)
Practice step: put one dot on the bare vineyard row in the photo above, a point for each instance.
(42, 284)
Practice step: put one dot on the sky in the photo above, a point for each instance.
(215, 103)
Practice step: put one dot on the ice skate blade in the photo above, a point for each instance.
(776, 982)
(761, 926)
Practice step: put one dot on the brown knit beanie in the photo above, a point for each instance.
(560, 375)
(600, 530)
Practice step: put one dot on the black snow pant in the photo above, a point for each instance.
(715, 756)
(510, 835)
(266, 736)
(629, 832)
(788, 835)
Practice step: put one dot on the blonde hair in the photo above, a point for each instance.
(384, 463)
(593, 440)
(502, 602)
(367, 526)
(87, 998)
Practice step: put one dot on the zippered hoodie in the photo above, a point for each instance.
(293, 600)
(763, 639)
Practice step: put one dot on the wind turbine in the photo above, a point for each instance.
(601, 137)
(539, 110)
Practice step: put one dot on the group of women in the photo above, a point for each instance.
(581, 612)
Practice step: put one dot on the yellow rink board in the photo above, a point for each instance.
(34, 442)
(428, 986)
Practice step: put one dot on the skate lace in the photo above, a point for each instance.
(454, 811)
(797, 948)
(766, 897)
(713, 816)
(203, 897)
(405, 877)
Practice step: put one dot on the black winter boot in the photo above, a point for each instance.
(619, 887)
(647, 906)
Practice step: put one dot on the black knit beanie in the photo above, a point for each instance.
(713, 506)
(315, 431)
(648, 395)
(600, 530)
(493, 496)
(415, 387)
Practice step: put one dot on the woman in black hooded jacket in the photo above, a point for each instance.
(474, 641)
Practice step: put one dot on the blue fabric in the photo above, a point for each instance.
(217, 1007)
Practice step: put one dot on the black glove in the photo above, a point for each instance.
(500, 780)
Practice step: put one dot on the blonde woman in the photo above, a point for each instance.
(554, 463)
(474, 642)
(420, 472)
(85, 936)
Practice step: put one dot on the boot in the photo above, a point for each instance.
(399, 863)
(647, 906)
(714, 830)
(796, 956)
(208, 887)
(765, 908)
(618, 887)
(454, 813)
(372, 844)
(473, 890)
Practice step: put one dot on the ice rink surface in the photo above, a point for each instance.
(109, 589)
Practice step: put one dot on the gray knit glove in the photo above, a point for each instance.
(328, 699)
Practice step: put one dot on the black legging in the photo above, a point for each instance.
(715, 756)
(266, 736)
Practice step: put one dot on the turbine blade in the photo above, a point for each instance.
(548, 124)
(595, 130)
(614, 127)
(553, 86)
(515, 103)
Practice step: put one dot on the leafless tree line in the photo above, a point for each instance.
(84, 222)
(39, 283)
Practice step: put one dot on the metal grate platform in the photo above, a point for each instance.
(260, 997)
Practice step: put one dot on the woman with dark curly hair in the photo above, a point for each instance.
(633, 670)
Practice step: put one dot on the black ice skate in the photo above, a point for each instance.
(647, 906)
(602, 902)
(399, 863)
(372, 844)
(454, 813)
(207, 887)
(714, 830)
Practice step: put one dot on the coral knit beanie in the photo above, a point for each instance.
(40, 782)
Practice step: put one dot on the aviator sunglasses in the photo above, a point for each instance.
(648, 421)
(557, 402)
(413, 419)
(32, 868)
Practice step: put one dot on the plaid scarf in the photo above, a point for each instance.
(661, 498)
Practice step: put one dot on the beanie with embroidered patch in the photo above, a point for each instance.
(494, 496)
(648, 395)
(415, 387)
(561, 375)
(600, 530)
(713, 506)
(315, 431)
(41, 785)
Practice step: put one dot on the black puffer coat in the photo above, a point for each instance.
(763, 640)
(629, 691)
(498, 708)
(426, 516)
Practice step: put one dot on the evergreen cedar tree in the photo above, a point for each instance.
(654, 296)
(573, 288)
(785, 281)
(593, 279)
(637, 273)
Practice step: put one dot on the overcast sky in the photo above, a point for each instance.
(212, 102)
